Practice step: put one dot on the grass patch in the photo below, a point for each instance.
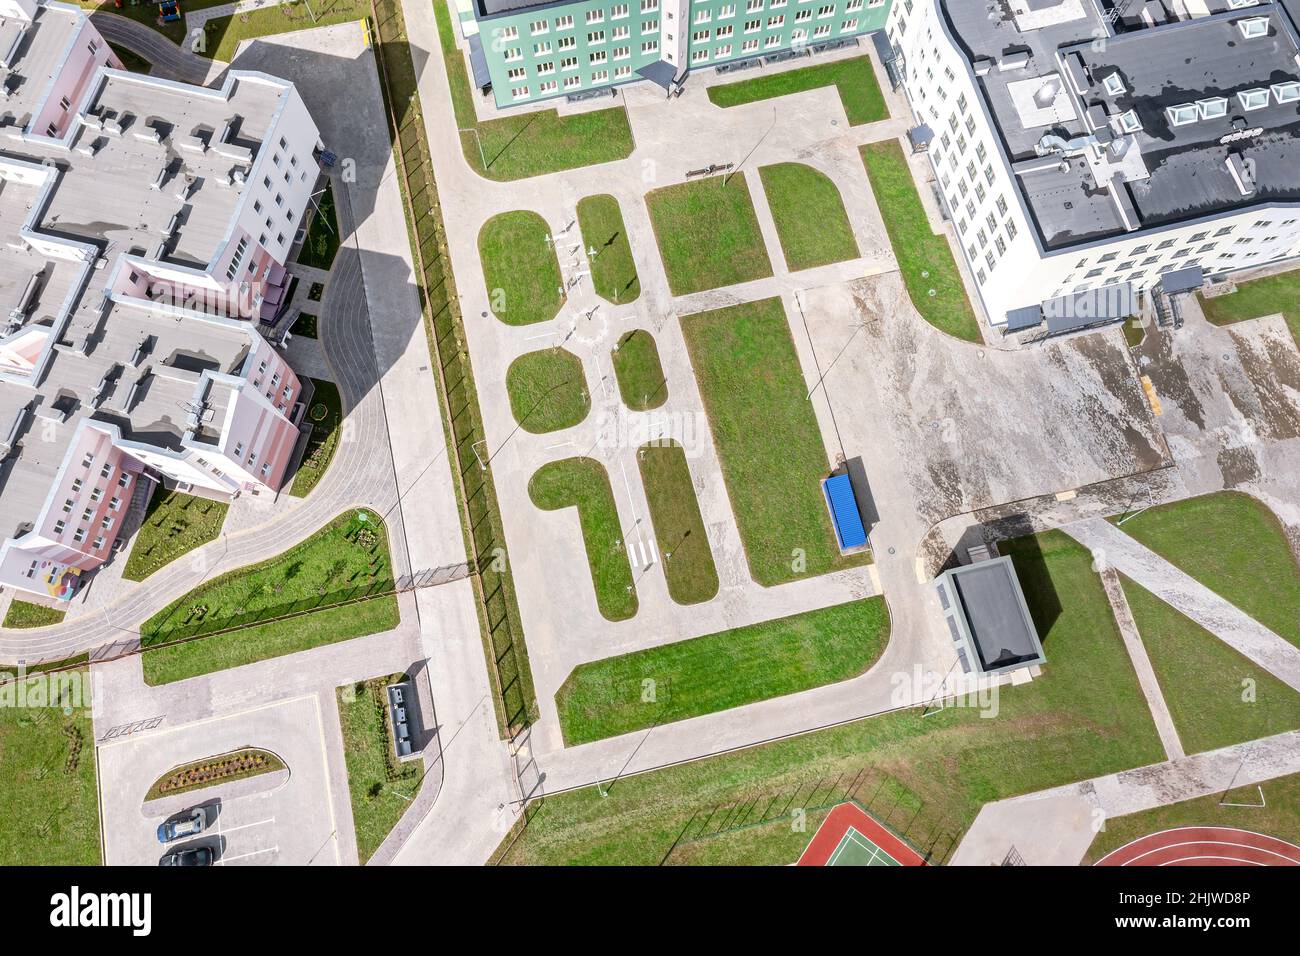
(1085, 716)
(1279, 818)
(640, 374)
(613, 273)
(810, 219)
(771, 449)
(326, 418)
(345, 560)
(381, 788)
(708, 234)
(227, 768)
(584, 484)
(530, 143)
(707, 674)
(1258, 297)
(306, 325)
(1135, 330)
(924, 258)
(322, 242)
(679, 529)
(520, 268)
(855, 80)
(223, 35)
(548, 390)
(49, 808)
(174, 524)
(1202, 680)
(26, 614)
(1233, 545)
(132, 62)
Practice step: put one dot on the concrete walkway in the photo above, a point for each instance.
(1055, 827)
(1146, 675)
(1230, 624)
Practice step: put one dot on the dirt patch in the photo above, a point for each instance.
(1238, 466)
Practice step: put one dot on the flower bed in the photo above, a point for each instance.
(239, 765)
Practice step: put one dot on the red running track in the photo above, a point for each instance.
(1205, 846)
(838, 822)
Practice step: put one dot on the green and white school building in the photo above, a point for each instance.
(529, 50)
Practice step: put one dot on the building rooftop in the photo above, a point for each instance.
(988, 616)
(40, 45)
(1094, 130)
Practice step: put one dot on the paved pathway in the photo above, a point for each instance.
(1055, 827)
(1177, 588)
(168, 59)
(1137, 653)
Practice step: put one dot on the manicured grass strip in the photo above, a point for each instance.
(1085, 716)
(49, 810)
(529, 143)
(640, 375)
(344, 561)
(222, 35)
(809, 214)
(584, 484)
(1235, 546)
(381, 788)
(1257, 297)
(708, 234)
(322, 242)
(613, 273)
(924, 258)
(1279, 817)
(174, 524)
(855, 80)
(679, 529)
(707, 674)
(773, 458)
(326, 417)
(548, 390)
(226, 768)
(1216, 697)
(26, 614)
(520, 268)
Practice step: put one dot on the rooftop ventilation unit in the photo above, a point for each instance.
(1182, 115)
(1113, 84)
(1253, 27)
(1288, 92)
(1129, 122)
(1213, 108)
(1253, 99)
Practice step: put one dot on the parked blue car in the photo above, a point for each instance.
(190, 824)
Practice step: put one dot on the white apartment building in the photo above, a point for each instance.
(1084, 145)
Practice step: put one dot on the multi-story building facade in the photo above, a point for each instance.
(146, 226)
(524, 50)
(1083, 145)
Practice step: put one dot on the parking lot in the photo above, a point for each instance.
(284, 817)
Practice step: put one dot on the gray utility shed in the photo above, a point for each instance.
(988, 618)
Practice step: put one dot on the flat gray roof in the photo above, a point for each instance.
(996, 623)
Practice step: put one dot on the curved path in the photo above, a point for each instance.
(168, 59)
(1205, 846)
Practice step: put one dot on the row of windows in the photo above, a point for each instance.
(773, 23)
(619, 11)
(595, 38)
(573, 82)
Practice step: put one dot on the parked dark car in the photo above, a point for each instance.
(189, 856)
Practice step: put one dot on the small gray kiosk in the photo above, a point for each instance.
(988, 618)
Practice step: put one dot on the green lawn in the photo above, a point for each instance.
(548, 390)
(147, 13)
(326, 417)
(707, 674)
(381, 788)
(1279, 817)
(306, 325)
(520, 268)
(133, 62)
(25, 614)
(174, 524)
(640, 375)
(1235, 546)
(1085, 716)
(222, 35)
(708, 234)
(773, 458)
(322, 242)
(929, 270)
(679, 530)
(49, 808)
(584, 484)
(344, 560)
(855, 79)
(613, 273)
(1257, 297)
(1203, 680)
(810, 219)
(528, 143)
